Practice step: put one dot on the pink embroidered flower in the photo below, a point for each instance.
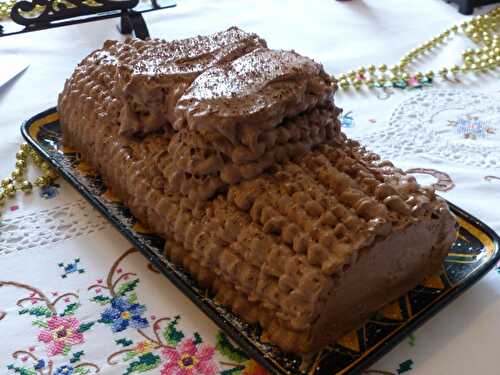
(190, 359)
(62, 333)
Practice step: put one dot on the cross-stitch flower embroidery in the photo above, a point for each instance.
(64, 370)
(123, 314)
(190, 359)
(61, 334)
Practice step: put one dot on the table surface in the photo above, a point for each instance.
(57, 254)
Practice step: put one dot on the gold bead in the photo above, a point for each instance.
(394, 69)
(351, 74)
(16, 173)
(419, 75)
(32, 153)
(395, 79)
(37, 159)
(454, 28)
(483, 66)
(473, 67)
(357, 84)
(26, 187)
(464, 25)
(21, 164)
(361, 70)
(405, 76)
(382, 68)
(44, 166)
(455, 69)
(429, 74)
(25, 147)
(443, 71)
(10, 190)
(491, 63)
(5, 182)
(469, 31)
(372, 68)
(21, 155)
(342, 77)
(369, 82)
(382, 81)
(41, 181)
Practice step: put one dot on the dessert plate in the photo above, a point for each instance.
(474, 253)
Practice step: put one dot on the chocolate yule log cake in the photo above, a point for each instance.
(233, 153)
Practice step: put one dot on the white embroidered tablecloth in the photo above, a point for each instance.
(115, 315)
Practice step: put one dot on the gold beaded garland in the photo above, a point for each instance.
(17, 181)
(483, 30)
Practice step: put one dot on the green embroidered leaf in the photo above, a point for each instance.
(76, 356)
(101, 300)
(22, 370)
(85, 327)
(132, 298)
(37, 311)
(197, 338)
(127, 287)
(130, 355)
(171, 334)
(105, 320)
(70, 309)
(66, 350)
(233, 371)
(228, 350)
(40, 323)
(144, 363)
(124, 342)
(81, 371)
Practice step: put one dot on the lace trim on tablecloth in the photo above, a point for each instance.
(49, 226)
(457, 126)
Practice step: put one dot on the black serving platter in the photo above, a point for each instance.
(474, 253)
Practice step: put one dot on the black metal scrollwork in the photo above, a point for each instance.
(56, 10)
(45, 14)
